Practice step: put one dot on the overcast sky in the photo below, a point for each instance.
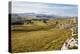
(44, 8)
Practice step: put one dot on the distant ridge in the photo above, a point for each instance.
(40, 16)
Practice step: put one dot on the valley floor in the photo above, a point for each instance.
(41, 40)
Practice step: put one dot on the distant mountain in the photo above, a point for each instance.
(28, 16)
(25, 14)
(37, 16)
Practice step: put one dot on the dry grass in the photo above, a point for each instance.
(39, 40)
(39, 37)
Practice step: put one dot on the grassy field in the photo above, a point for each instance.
(39, 36)
(39, 40)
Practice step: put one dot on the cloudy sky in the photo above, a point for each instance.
(44, 8)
